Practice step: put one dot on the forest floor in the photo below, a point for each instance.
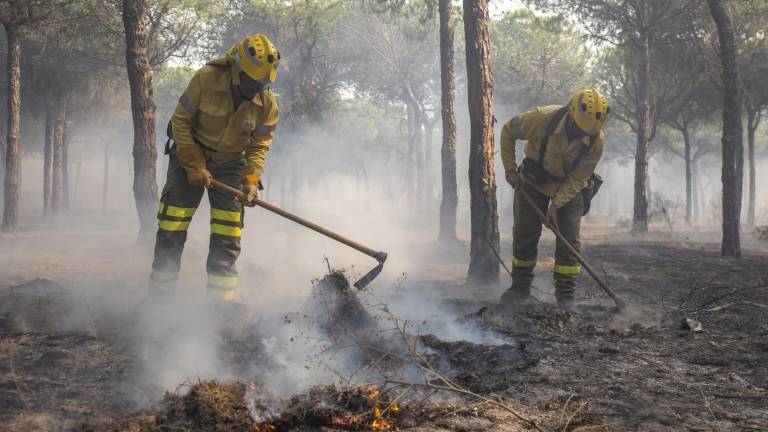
(690, 353)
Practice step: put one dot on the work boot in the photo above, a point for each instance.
(520, 291)
(565, 291)
(516, 295)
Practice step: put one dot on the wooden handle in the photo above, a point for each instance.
(379, 256)
(619, 302)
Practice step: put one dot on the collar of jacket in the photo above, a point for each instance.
(225, 81)
(560, 130)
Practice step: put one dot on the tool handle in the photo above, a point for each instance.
(619, 302)
(379, 256)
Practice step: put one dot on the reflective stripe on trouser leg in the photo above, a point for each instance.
(178, 203)
(517, 262)
(224, 248)
(226, 229)
(567, 269)
(222, 287)
(525, 238)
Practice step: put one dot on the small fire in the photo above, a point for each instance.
(379, 422)
(381, 425)
(266, 427)
(373, 394)
(348, 422)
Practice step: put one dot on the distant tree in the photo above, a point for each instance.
(15, 15)
(690, 101)
(450, 198)
(637, 27)
(396, 60)
(483, 265)
(754, 69)
(143, 112)
(538, 60)
(732, 141)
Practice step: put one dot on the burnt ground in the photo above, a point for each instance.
(65, 366)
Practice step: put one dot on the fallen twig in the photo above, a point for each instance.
(466, 392)
(573, 414)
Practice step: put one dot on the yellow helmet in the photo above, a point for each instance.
(257, 57)
(589, 109)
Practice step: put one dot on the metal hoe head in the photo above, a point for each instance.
(381, 257)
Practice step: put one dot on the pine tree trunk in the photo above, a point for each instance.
(65, 164)
(57, 192)
(429, 131)
(47, 159)
(733, 152)
(753, 121)
(640, 216)
(13, 144)
(418, 139)
(143, 111)
(688, 176)
(450, 196)
(105, 180)
(483, 265)
(696, 191)
(410, 163)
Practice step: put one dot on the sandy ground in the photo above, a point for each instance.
(68, 301)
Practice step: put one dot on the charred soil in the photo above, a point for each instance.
(691, 353)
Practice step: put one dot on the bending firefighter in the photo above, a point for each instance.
(222, 128)
(563, 146)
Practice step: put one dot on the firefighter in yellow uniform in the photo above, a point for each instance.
(563, 145)
(222, 128)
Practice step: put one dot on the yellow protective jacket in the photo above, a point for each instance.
(206, 125)
(558, 160)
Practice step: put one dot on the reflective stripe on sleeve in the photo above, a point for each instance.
(568, 270)
(225, 230)
(225, 215)
(187, 103)
(517, 262)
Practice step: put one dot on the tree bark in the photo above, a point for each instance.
(450, 195)
(57, 193)
(13, 144)
(65, 163)
(732, 139)
(47, 158)
(688, 175)
(105, 180)
(429, 133)
(483, 265)
(418, 138)
(640, 214)
(410, 162)
(143, 113)
(696, 190)
(753, 121)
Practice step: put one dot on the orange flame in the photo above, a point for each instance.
(381, 425)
